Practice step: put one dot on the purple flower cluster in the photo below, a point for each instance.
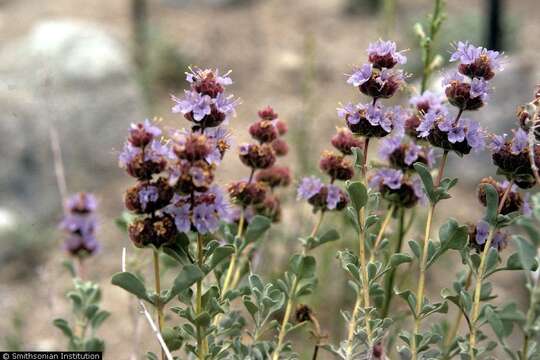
(397, 187)
(452, 134)
(144, 155)
(511, 156)
(256, 195)
(79, 223)
(175, 190)
(478, 235)
(514, 201)
(337, 166)
(321, 196)
(402, 153)
(424, 103)
(371, 120)
(468, 88)
(377, 79)
(206, 103)
(201, 212)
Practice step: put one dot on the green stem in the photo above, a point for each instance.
(201, 345)
(428, 47)
(480, 275)
(291, 297)
(234, 257)
(380, 235)
(423, 261)
(388, 291)
(478, 292)
(285, 321)
(451, 336)
(421, 282)
(158, 306)
(530, 318)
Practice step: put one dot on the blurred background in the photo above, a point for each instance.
(85, 69)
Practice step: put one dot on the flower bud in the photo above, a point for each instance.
(257, 156)
(192, 147)
(274, 176)
(142, 134)
(157, 230)
(187, 177)
(270, 208)
(268, 113)
(478, 235)
(280, 147)
(281, 127)
(513, 201)
(459, 95)
(245, 194)
(148, 196)
(303, 313)
(345, 141)
(336, 166)
(264, 131)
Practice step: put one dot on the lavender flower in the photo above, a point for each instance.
(482, 232)
(466, 53)
(477, 61)
(479, 88)
(148, 194)
(427, 101)
(497, 142)
(383, 54)
(196, 74)
(193, 103)
(519, 142)
(206, 103)
(333, 196)
(479, 234)
(80, 224)
(444, 132)
(205, 218)
(389, 177)
(309, 187)
(388, 145)
(142, 133)
(181, 214)
(360, 75)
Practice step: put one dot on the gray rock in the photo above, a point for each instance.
(78, 78)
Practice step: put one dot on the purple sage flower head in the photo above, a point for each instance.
(388, 145)
(474, 134)
(383, 54)
(206, 103)
(456, 134)
(142, 133)
(412, 153)
(477, 62)
(465, 53)
(389, 177)
(333, 196)
(520, 141)
(479, 88)
(309, 187)
(482, 231)
(80, 223)
(205, 218)
(427, 101)
(497, 142)
(148, 194)
(196, 74)
(360, 75)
